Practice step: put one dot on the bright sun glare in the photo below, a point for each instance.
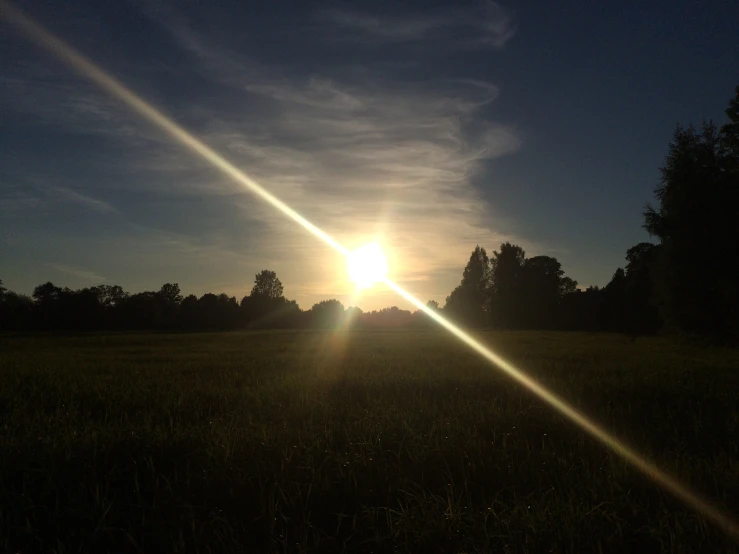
(367, 265)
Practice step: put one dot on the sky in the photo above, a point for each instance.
(427, 127)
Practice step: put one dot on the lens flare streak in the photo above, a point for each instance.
(88, 69)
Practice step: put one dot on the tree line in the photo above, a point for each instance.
(109, 307)
(688, 281)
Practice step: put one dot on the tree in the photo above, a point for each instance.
(582, 310)
(189, 313)
(267, 284)
(468, 303)
(541, 288)
(110, 296)
(641, 312)
(327, 314)
(730, 130)
(47, 293)
(568, 286)
(695, 221)
(170, 294)
(613, 305)
(352, 315)
(505, 285)
(143, 310)
(16, 311)
(48, 305)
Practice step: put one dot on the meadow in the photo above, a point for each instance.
(359, 441)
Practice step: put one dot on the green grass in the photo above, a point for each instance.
(397, 441)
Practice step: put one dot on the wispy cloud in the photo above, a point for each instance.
(94, 204)
(82, 274)
(365, 153)
(65, 102)
(484, 24)
(23, 191)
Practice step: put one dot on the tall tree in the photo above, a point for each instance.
(695, 221)
(16, 311)
(543, 284)
(267, 284)
(639, 301)
(730, 130)
(468, 303)
(505, 286)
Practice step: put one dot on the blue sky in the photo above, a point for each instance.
(430, 128)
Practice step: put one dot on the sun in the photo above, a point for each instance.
(367, 265)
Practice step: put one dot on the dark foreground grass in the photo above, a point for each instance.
(362, 442)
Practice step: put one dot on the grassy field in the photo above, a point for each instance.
(397, 441)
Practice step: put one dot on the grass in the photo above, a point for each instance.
(397, 441)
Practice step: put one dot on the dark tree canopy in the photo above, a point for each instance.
(695, 220)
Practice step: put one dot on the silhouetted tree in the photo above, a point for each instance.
(640, 307)
(352, 315)
(506, 289)
(696, 222)
(170, 298)
(16, 311)
(540, 292)
(170, 294)
(190, 313)
(208, 311)
(730, 132)
(266, 306)
(47, 293)
(567, 286)
(143, 310)
(109, 296)
(583, 310)
(48, 306)
(267, 284)
(327, 314)
(468, 302)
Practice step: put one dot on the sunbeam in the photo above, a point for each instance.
(86, 68)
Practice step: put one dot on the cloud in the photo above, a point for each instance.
(484, 24)
(362, 153)
(365, 153)
(94, 204)
(81, 274)
(69, 104)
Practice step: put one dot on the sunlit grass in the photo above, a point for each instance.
(303, 441)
